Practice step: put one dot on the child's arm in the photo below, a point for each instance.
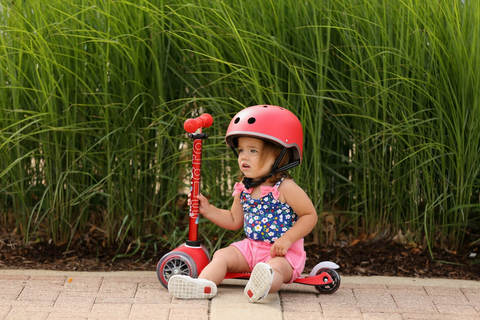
(301, 204)
(228, 219)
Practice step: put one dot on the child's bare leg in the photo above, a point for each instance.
(267, 277)
(224, 260)
(282, 272)
(205, 287)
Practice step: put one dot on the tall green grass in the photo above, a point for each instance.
(93, 95)
(412, 76)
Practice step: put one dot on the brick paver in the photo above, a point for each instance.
(84, 296)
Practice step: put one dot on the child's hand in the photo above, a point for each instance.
(280, 247)
(203, 204)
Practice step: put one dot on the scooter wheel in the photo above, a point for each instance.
(331, 287)
(175, 263)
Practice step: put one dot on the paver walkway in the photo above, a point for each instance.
(32, 294)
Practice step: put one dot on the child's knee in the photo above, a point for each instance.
(222, 254)
(282, 268)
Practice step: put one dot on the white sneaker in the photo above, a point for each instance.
(185, 287)
(260, 282)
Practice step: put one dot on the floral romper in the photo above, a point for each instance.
(266, 219)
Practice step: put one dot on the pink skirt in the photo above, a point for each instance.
(258, 251)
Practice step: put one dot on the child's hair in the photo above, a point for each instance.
(270, 149)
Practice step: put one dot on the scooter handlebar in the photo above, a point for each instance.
(203, 121)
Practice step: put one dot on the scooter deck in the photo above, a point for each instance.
(322, 278)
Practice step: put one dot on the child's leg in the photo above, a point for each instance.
(268, 277)
(224, 260)
(205, 287)
(282, 272)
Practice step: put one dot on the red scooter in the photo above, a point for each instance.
(191, 257)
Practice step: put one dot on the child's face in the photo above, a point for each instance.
(250, 158)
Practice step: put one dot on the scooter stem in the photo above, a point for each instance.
(204, 121)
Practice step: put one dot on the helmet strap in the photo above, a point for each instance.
(235, 152)
(279, 159)
(288, 166)
(250, 183)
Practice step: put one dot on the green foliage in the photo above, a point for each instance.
(93, 95)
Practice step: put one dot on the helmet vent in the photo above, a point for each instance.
(251, 120)
(237, 120)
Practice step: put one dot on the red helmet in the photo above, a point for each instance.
(267, 122)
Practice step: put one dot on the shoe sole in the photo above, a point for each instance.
(184, 287)
(259, 284)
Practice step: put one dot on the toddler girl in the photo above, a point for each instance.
(274, 211)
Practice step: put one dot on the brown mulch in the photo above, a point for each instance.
(387, 258)
(366, 257)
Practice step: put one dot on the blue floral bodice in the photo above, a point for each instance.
(266, 219)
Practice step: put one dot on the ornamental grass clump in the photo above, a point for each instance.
(93, 95)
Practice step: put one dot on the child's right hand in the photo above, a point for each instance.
(228, 219)
(203, 203)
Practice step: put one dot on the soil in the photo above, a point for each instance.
(363, 257)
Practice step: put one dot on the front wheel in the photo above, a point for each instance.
(175, 263)
(331, 287)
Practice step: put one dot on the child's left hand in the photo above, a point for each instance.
(280, 247)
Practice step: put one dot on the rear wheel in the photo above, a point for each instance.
(175, 263)
(330, 287)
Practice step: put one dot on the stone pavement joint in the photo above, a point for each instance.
(50, 295)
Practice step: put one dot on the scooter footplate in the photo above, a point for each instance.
(313, 280)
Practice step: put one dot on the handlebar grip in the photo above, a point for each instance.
(203, 121)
